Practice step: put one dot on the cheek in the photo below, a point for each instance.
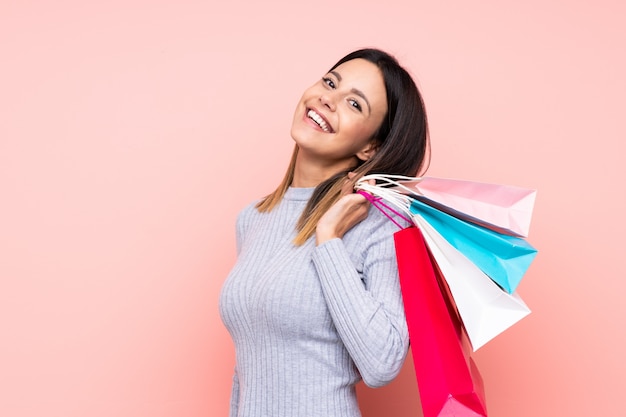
(309, 93)
(363, 131)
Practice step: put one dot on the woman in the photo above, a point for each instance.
(313, 303)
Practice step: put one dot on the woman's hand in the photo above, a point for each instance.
(349, 210)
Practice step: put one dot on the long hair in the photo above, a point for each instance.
(401, 143)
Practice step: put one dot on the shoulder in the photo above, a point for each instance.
(247, 216)
(249, 210)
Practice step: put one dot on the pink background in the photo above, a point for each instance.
(132, 132)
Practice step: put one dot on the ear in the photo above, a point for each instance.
(368, 151)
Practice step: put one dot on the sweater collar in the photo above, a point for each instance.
(299, 194)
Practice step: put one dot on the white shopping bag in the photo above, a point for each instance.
(485, 309)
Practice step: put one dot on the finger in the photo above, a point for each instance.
(347, 188)
(348, 185)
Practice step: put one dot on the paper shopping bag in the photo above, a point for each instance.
(505, 259)
(448, 380)
(503, 208)
(485, 309)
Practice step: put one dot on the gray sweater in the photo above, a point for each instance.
(310, 322)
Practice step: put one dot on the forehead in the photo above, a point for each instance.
(360, 70)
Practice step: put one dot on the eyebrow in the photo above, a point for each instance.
(355, 91)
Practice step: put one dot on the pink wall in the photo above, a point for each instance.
(132, 132)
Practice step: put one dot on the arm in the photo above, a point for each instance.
(239, 239)
(366, 305)
(234, 396)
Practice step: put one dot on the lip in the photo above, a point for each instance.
(318, 127)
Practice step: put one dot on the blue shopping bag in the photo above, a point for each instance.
(505, 259)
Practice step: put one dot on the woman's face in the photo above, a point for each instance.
(336, 118)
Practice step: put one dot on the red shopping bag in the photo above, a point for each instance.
(448, 380)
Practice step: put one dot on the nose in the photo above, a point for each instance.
(328, 100)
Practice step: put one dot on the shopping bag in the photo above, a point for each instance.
(504, 208)
(485, 309)
(505, 259)
(448, 380)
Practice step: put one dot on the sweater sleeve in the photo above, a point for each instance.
(240, 226)
(366, 305)
(234, 396)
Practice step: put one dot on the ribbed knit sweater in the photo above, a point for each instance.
(308, 322)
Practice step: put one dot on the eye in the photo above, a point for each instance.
(355, 104)
(329, 82)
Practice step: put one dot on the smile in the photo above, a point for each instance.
(321, 122)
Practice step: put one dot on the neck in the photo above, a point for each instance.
(310, 173)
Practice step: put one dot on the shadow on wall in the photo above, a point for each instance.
(399, 399)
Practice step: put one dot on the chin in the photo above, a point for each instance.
(300, 131)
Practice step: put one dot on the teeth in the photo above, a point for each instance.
(318, 119)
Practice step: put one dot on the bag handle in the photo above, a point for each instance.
(399, 200)
(391, 180)
(379, 204)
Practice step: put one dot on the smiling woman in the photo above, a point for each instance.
(313, 303)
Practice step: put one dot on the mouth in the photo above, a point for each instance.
(319, 120)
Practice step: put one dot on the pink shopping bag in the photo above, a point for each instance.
(503, 208)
